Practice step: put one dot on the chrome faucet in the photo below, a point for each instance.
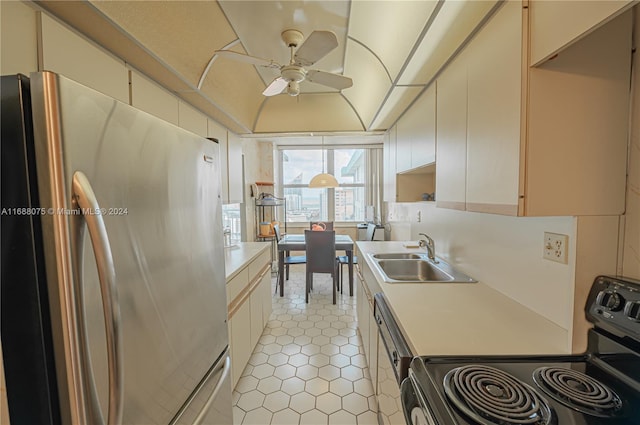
(430, 245)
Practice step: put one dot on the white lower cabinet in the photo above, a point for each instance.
(367, 323)
(249, 311)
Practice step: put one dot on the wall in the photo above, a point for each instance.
(258, 166)
(631, 244)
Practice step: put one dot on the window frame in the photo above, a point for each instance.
(330, 168)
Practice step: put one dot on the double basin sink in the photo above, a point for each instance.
(408, 267)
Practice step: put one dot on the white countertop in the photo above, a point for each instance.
(239, 256)
(463, 318)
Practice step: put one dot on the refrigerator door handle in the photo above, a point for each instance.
(85, 199)
(214, 393)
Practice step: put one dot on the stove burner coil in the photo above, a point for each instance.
(578, 391)
(492, 397)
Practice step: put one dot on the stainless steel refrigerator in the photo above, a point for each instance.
(113, 284)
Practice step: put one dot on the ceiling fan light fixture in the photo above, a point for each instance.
(323, 180)
(293, 88)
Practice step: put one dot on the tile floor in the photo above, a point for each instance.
(308, 367)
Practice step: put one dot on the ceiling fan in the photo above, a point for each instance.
(314, 48)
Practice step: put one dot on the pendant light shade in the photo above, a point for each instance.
(323, 179)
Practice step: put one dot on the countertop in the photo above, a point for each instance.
(240, 255)
(463, 318)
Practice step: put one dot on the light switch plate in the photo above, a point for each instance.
(555, 247)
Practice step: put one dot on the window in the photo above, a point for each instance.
(344, 203)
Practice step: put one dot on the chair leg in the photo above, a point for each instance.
(334, 276)
(287, 272)
(307, 287)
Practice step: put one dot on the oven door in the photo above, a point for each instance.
(394, 357)
(415, 411)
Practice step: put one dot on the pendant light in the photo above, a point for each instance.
(323, 179)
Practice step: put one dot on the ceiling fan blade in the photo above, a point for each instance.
(277, 86)
(315, 47)
(328, 79)
(241, 57)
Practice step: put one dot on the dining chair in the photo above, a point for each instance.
(328, 225)
(288, 259)
(343, 259)
(321, 258)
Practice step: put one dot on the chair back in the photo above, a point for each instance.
(321, 251)
(321, 225)
(276, 231)
(371, 231)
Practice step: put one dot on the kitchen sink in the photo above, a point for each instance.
(417, 268)
(397, 256)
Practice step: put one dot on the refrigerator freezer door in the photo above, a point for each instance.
(158, 189)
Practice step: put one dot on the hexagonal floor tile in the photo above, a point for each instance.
(251, 400)
(292, 385)
(340, 360)
(263, 371)
(329, 372)
(317, 386)
(328, 403)
(299, 359)
(272, 348)
(278, 359)
(302, 340)
(246, 384)
(319, 360)
(341, 387)
(329, 349)
(358, 360)
(277, 401)
(307, 372)
(351, 373)
(312, 332)
(302, 402)
(349, 350)
(363, 387)
(368, 418)
(342, 418)
(286, 417)
(284, 371)
(310, 349)
(330, 332)
(355, 403)
(339, 340)
(314, 417)
(269, 384)
(258, 359)
(291, 349)
(258, 416)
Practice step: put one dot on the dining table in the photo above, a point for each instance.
(296, 242)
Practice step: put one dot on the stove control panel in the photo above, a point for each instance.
(614, 305)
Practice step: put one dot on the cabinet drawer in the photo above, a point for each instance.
(258, 264)
(236, 285)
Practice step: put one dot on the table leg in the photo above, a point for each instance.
(281, 272)
(350, 256)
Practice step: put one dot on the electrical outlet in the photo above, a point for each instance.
(555, 247)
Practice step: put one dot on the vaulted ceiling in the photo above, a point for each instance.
(391, 49)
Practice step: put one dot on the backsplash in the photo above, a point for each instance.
(503, 252)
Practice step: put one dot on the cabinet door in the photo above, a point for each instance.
(423, 141)
(362, 312)
(257, 323)
(415, 133)
(241, 347)
(494, 109)
(235, 170)
(556, 24)
(373, 346)
(451, 135)
(216, 131)
(267, 298)
(390, 165)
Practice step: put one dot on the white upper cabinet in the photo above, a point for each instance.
(389, 165)
(416, 133)
(557, 24)
(65, 52)
(236, 177)
(451, 136)
(544, 141)
(152, 98)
